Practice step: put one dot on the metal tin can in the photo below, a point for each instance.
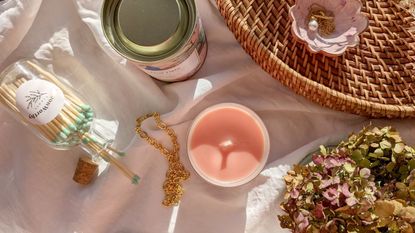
(164, 38)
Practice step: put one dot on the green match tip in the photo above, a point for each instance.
(66, 131)
(88, 120)
(86, 107)
(89, 114)
(81, 116)
(86, 128)
(79, 120)
(135, 180)
(85, 140)
(62, 135)
(120, 153)
(93, 139)
(72, 127)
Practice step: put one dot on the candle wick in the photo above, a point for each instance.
(226, 144)
(225, 147)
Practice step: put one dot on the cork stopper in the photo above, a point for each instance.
(86, 171)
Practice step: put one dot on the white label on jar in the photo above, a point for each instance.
(39, 101)
(176, 72)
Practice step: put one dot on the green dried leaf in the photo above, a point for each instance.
(323, 150)
(379, 152)
(312, 229)
(349, 167)
(390, 166)
(387, 129)
(373, 155)
(374, 145)
(369, 133)
(370, 138)
(375, 164)
(399, 147)
(377, 131)
(364, 163)
(409, 155)
(393, 158)
(400, 185)
(395, 136)
(403, 170)
(384, 158)
(412, 194)
(357, 155)
(364, 148)
(384, 144)
(411, 164)
(309, 187)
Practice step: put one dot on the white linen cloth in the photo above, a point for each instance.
(37, 193)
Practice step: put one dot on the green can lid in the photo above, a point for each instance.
(145, 27)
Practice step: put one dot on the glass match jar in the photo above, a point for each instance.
(54, 111)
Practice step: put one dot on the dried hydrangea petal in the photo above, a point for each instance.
(408, 214)
(295, 193)
(384, 209)
(351, 201)
(364, 173)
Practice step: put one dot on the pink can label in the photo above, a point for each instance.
(170, 74)
(177, 69)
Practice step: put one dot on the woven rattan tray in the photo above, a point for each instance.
(376, 78)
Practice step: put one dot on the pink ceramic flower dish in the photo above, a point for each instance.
(328, 27)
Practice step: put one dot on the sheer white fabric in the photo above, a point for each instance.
(37, 192)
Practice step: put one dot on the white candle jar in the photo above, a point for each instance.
(54, 112)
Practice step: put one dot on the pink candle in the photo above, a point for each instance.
(228, 144)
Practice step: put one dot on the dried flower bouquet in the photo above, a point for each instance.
(365, 184)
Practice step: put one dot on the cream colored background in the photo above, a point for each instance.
(37, 193)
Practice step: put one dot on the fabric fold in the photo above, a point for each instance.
(16, 18)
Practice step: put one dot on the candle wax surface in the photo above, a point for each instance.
(227, 144)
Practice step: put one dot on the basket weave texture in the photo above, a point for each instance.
(375, 78)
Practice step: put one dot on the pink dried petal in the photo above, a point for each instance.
(300, 217)
(364, 173)
(351, 201)
(294, 193)
(331, 194)
(318, 176)
(331, 162)
(318, 211)
(303, 225)
(345, 190)
(331, 181)
(335, 180)
(317, 159)
(301, 222)
(325, 183)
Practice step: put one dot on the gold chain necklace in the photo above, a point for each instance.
(176, 172)
(324, 18)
